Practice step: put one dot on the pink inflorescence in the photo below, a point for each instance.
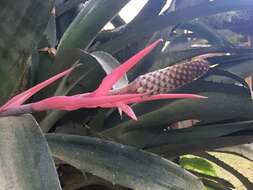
(151, 86)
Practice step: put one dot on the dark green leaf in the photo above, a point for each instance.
(182, 15)
(204, 31)
(82, 30)
(224, 102)
(26, 162)
(123, 165)
(66, 6)
(22, 25)
(219, 180)
(172, 150)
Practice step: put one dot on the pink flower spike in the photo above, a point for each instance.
(21, 98)
(127, 110)
(117, 73)
(163, 96)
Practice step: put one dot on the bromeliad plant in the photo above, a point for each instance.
(95, 148)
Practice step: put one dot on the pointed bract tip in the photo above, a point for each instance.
(201, 97)
(22, 97)
(160, 40)
(127, 110)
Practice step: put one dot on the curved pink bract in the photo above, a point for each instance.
(21, 98)
(117, 73)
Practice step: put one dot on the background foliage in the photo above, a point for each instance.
(96, 148)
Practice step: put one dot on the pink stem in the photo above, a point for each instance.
(163, 96)
(76, 102)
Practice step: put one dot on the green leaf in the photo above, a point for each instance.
(26, 162)
(201, 30)
(41, 63)
(171, 149)
(64, 19)
(197, 164)
(173, 57)
(123, 165)
(20, 33)
(240, 65)
(67, 6)
(49, 39)
(214, 185)
(89, 22)
(224, 102)
(219, 180)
